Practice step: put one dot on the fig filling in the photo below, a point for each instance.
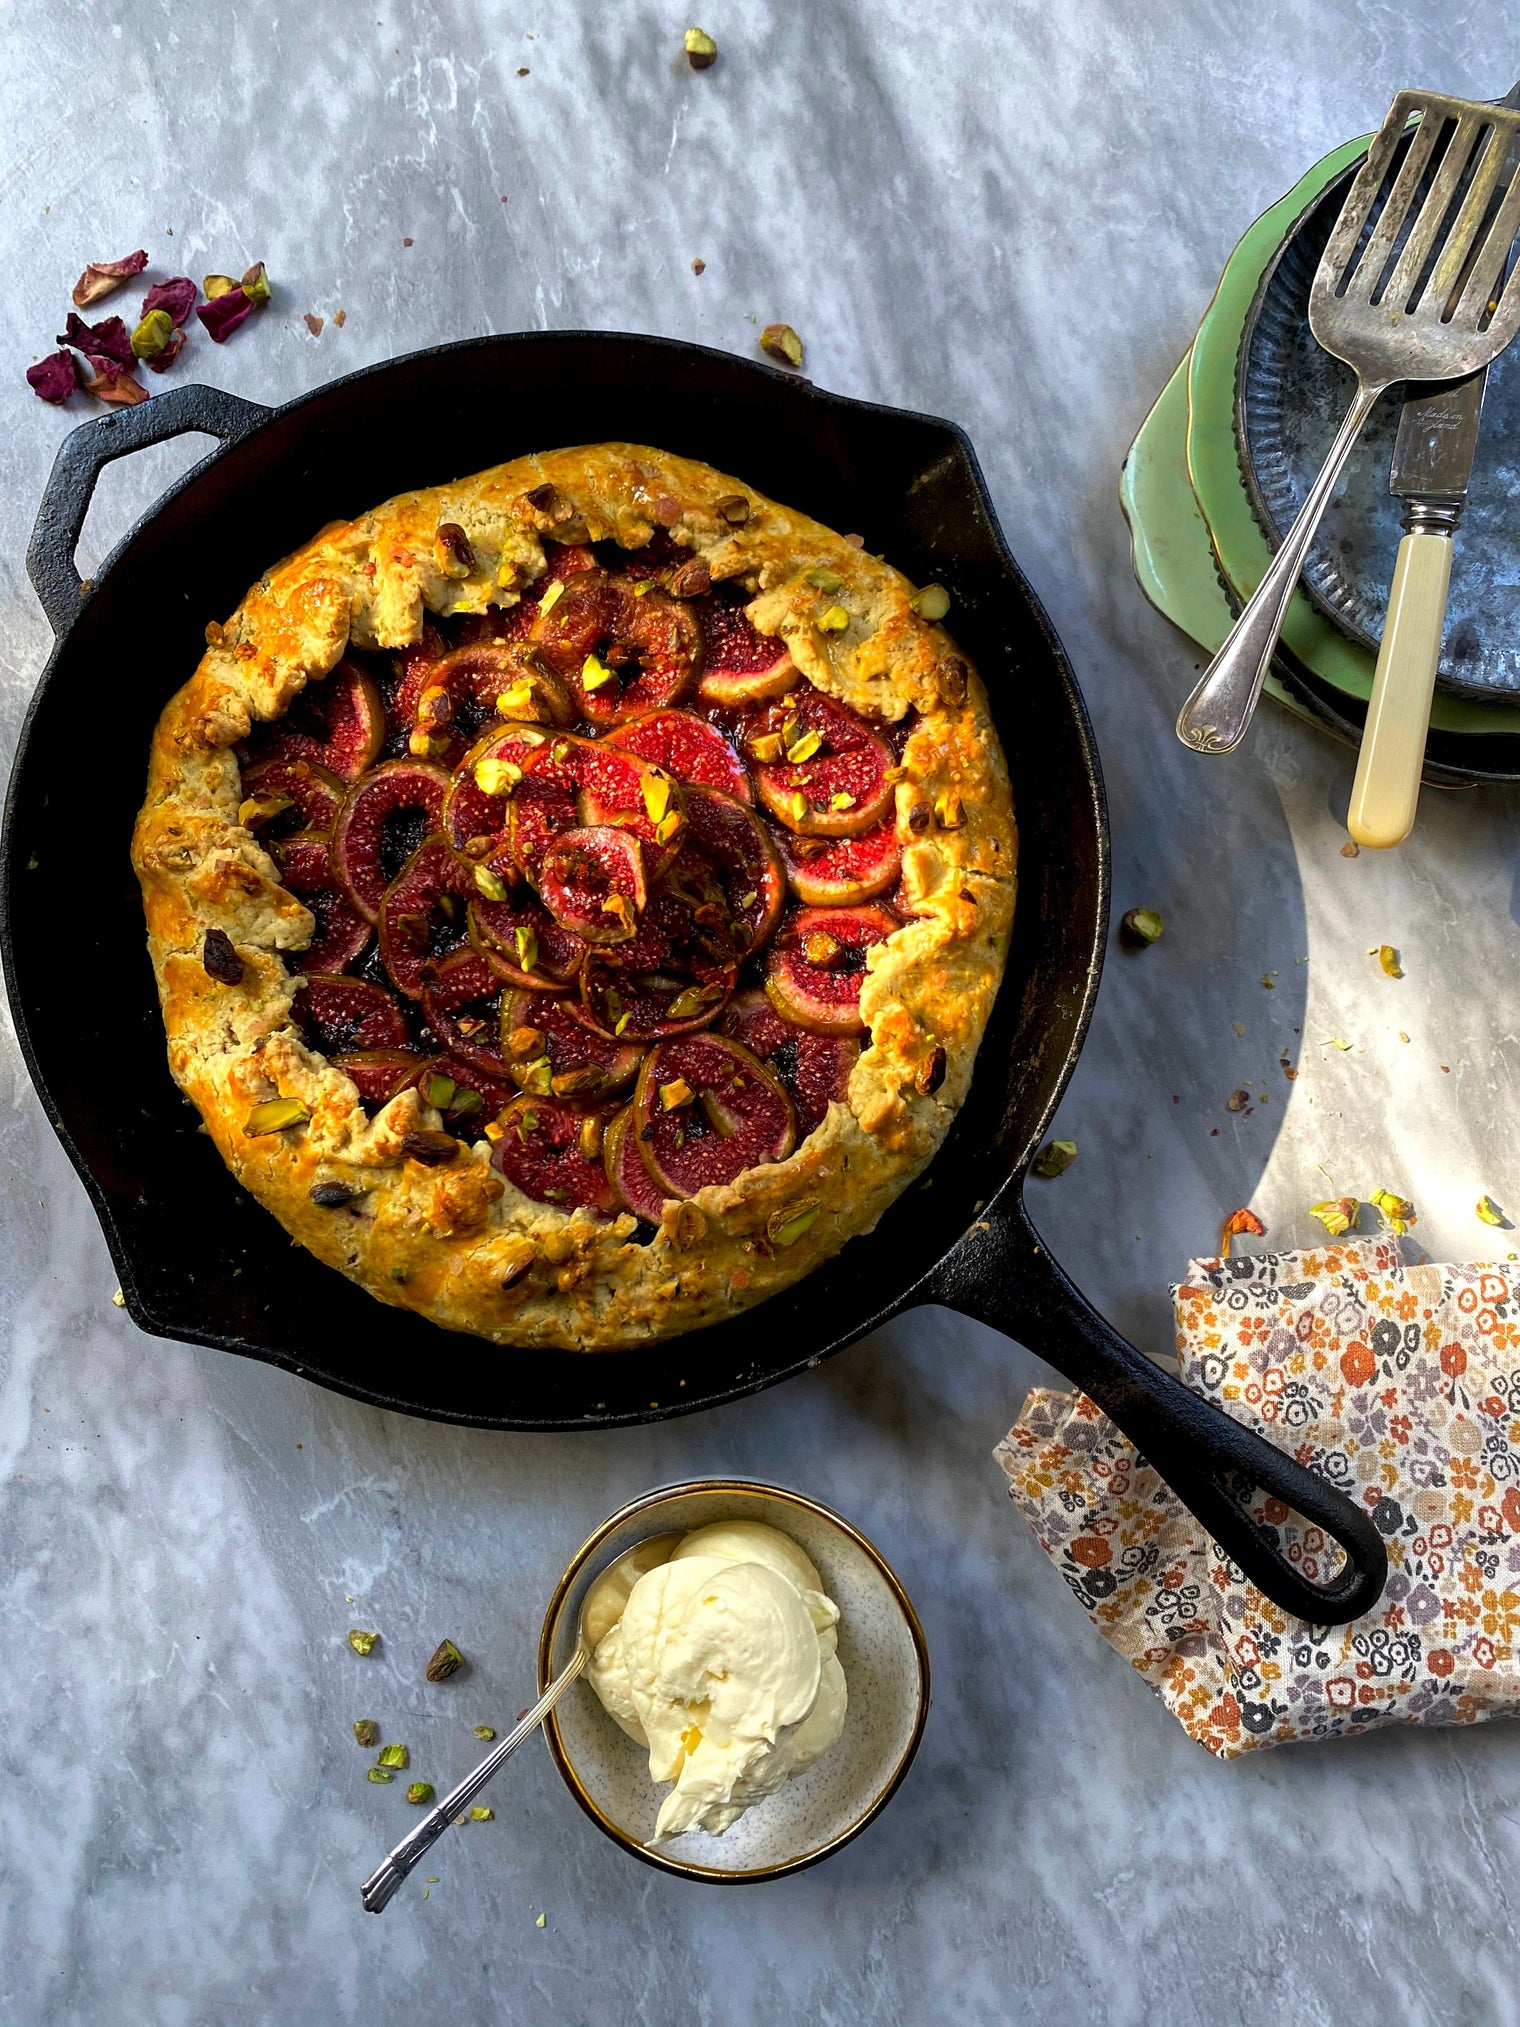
(548, 852)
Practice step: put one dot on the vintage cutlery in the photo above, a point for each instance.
(1412, 288)
(601, 1611)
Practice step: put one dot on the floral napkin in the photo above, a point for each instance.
(1399, 1384)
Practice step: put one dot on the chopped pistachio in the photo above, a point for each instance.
(214, 285)
(1336, 1042)
(780, 341)
(1398, 1212)
(480, 1815)
(841, 799)
(809, 744)
(834, 620)
(667, 826)
(527, 946)
(485, 1731)
(594, 673)
(276, 1115)
(420, 1791)
(785, 1228)
(119, 1299)
(540, 1921)
(676, 1093)
(551, 597)
(464, 1103)
(1388, 961)
(1336, 1214)
(152, 335)
(620, 906)
(262, 809)
(381, 1774)
(492, 885)
(1139, 927)
(452, 550)
(439, 1090)
(766, 748)
(655, 788)
(394, 1756)
(701, 50)
(1489, 1211)
(524, 1042)
(1055, 1157)
(361, 1642)
(819, 948)
(825, 580)
(255, 283)
(733, 508)
(932, 602)
(447, 1660)
(694, 999)
(538, 1078)
(949, 810)
(495, 777)
(621, 1023)
(366, 1731)
(797, 803)
(592, 1132)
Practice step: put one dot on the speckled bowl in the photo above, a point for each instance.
(886, 1668)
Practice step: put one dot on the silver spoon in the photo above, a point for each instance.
(600, 1612)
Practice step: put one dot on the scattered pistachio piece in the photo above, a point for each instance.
(432, 1150)
(1243, 1220)
(825, 580)
(1140, 927)
(492, 885)
(220, 959)
(594, 673)
(447, 1660)
(701, 50)
(785, 1228)
(420, 1791)
(1336, 1214)
(733, 508)
(932, 602)
(152, 335)
(366, 1731)
(1489, 1211)
(119, 1299)
(275, 1115)
(381, 1774)
(834, 620)
(667, 827)
(362, 1643)
(930, 1073)
(439, 1090)
(485, 1731)
(394, 1756)
(841, 799)
(1336, 1042)
(452, 550)
(480, 1815)
(676, 1093)
(527, 946)
(655, 788)
(949, 811)
(1388, 961)
(1398, 1212)
(780, 341)
(804, 749)
(767, 748)
(1055, 1157)
(541, 1921)
(592, 1131)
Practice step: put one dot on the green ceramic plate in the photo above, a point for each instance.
(1214, 467)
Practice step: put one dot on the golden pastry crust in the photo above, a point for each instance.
(459, 1243)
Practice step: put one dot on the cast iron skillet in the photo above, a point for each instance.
(200, 1261)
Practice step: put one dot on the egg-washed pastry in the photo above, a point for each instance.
(577, 894)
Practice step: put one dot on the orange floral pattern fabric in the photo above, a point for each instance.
(1399, 1384)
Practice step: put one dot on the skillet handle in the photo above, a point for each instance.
(1001, 1274)
(84, 454)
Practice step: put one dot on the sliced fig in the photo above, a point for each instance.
(730, 872)
(621, 649)
(522, 942)
(817, 962)
(422, 912)
(338, 722)
(385, 816)
(626, 1169)
(619, 788)
(464, 1093)
(706, 1110)
(476, 809)
(461, 995)
(289, 792)
(549, 1051)
(840, 783)
(504, 679)
(740, 665)
(838, 872)
(814, 1068)
(687, 991)
(551, 1148)
(592, 882)
(341, 932)
(689, 747)
(414, 667)
(379, 1074)
(339, 1015)
(544, 802)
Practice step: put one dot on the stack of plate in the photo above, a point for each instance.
(1231, 448)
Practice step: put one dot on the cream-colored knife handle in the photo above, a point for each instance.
(1386, 791)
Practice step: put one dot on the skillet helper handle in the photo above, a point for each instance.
(1001, 1274)
(84, 454)
(1386, 792)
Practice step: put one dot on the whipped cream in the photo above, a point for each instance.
(723, 1665)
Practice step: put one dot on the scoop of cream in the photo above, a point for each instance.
(724, 1665)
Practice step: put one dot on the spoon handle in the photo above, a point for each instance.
(382, 1883)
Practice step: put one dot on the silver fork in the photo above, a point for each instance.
(1434, 317)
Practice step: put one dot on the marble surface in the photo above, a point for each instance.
(1014, 217)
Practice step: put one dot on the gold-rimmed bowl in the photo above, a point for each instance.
(886, 1669)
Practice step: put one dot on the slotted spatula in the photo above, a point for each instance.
(1405, 291)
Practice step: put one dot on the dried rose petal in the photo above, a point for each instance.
(53, 379)
(109, 339)
(113, 386)
(1243, 1220)
(177, 296)
(102, 276)
(222, 315)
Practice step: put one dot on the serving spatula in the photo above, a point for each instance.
(1410, 287)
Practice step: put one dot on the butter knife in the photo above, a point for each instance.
(1432, 464)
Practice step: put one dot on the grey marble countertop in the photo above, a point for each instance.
(1012, 216)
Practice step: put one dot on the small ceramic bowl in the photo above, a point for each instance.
(886, 1668)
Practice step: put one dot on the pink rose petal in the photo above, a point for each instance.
(222, 315)
(53, 379)
(177, 296)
